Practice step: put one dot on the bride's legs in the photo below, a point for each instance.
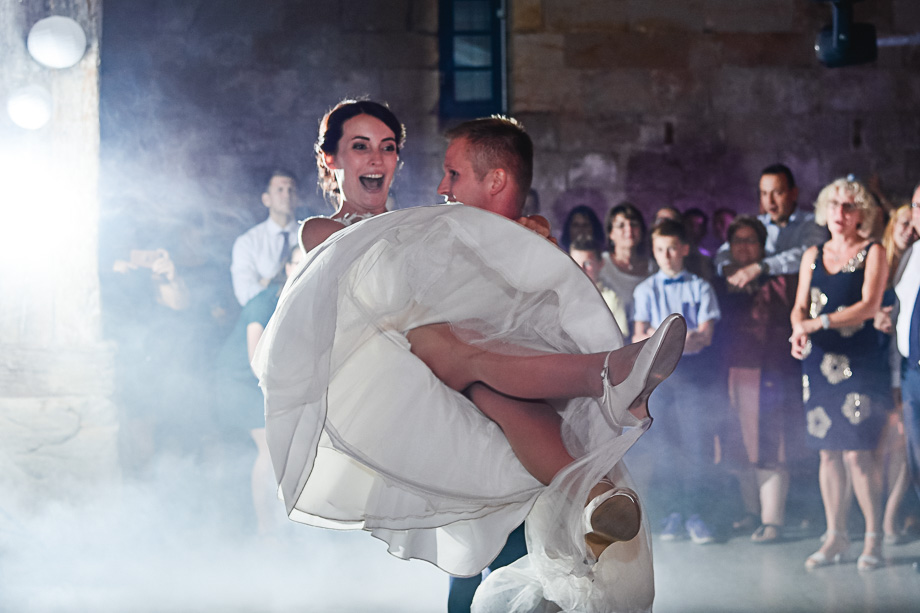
(533, 430)
(531, 427)
(534, 377)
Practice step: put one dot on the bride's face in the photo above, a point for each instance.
(364, 164)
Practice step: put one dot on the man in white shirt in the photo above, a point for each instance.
(789, 232)
(259, 254)
(907, 334)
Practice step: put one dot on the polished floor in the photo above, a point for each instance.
(740, 576)
(324, 571)
(159, 547)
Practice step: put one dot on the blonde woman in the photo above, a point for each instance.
(845, 379)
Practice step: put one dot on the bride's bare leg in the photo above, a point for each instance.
(534, 377)
(531, 427)
(533, 431)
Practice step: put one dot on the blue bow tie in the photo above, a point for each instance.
(677, 279)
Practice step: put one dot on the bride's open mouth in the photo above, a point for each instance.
(372, 182)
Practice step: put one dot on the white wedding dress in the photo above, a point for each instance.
(363, 436)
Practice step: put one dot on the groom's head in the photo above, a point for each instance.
(488, 165)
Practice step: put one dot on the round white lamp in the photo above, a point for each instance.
(56, 42)
(30, 107)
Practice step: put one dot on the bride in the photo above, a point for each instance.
(390, 348)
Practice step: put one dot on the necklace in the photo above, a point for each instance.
(351, 218)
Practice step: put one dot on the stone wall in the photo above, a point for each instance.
(57, 421)
(203, 98)
(674, 102)
(682, 102)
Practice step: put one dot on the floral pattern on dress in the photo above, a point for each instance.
(819, 422)
(856, 262)
(818, 300)
(856, 408)
(849, 330)
(806, 389)
(836, 368)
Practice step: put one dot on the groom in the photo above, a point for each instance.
(489, 166)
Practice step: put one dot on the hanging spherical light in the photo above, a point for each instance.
(56, 42)
(30, 107)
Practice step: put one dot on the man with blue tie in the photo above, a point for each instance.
(260, 253)
(907, 333)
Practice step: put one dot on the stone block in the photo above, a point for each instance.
(911, 168)
(327, 47)
(54, 449)
(776, 135)
(585, 15)
(906, 16)
(543, 129)
(535, 90)
(597, 134)
(526, 15)
(608, 92)
(752, 16)
(751, 90)
(614, 91)
(882, 133)
(412, 51)
(651, 50)
(334, 85)
(537, 51)
(377, 16)
(666, 14)
(411, 91)
(308, 14)
(423, 16)
(788, 49)
(27, 371)
(857, 88)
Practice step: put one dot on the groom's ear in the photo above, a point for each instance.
(498, 180)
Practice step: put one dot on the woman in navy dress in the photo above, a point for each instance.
(845, 384)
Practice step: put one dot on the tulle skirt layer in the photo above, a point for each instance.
(363, 436)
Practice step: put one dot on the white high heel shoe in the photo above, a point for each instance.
(612, 516)
(868, 561)
(655, 362)
(819, 558)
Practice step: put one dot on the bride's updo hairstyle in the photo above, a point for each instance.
(330, 133)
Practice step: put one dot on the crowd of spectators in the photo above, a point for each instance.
(731, 419)
(737, 416)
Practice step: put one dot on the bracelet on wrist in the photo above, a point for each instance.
(825, 321)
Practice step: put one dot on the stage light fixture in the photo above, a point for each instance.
(844, 43)
(30, 107)
(56, 42)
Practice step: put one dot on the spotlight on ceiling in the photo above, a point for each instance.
(56, 42)
(30, 107)
(844, 43)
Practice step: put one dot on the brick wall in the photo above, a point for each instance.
(683, 101)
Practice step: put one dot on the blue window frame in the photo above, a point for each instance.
(472, 57)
